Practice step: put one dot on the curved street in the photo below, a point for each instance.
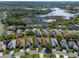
(42, 51)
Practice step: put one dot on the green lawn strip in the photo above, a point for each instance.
(40, 48)
(40, 45)
(16, 50)
(6, 52)
(49, 38)
(58, 48)
(72, 57)
(53, 56)
(69, 50)
(49, 55)
(35, 55)
(61, 56)
(32, 47)
(26, 56)
(30, 56)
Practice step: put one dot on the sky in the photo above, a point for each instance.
(39, 0)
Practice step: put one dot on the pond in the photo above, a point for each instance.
(59, 12)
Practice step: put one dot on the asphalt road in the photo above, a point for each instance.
(36, 52)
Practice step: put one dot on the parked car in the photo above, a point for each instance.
(48, 50)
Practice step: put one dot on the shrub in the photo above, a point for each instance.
(61, 56)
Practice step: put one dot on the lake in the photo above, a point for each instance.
(59, 12)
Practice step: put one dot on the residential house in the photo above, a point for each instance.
(20, 43)
(54, 42)
(63, 44)
(11, 45)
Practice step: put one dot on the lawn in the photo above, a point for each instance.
(16, 50)
(72, 57)
(26, 56)
(61, 56)
(6, 52)
(49, 55)
(35, 55)
(30, 56)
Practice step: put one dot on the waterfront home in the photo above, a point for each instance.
(72, 45)
(2, 46)
(38, 33)
(54, 42)
(11, 45)
(63, 44)
(20, 43)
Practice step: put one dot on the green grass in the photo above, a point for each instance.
(16, 50)
(72, 57)
(6, 52)
(30, 56)
(26, 56)
(53, 56)
(35, 55)
(5, 26)
(32, 48)
(69, 50)
(61, 56)
(49, 55)
(40, 48)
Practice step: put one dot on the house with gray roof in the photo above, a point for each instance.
(72, 45)
(54, 42)
(38, 33)
(63, 44)
(45, 33)
(11, 45)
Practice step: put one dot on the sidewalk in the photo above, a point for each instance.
(41, 55)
